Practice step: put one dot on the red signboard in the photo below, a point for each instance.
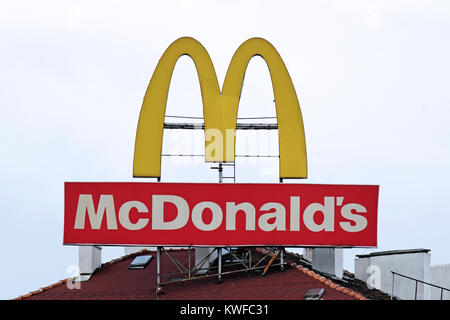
(184, 214)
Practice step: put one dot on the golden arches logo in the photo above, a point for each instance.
(220, 108)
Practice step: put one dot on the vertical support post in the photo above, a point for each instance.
(282, 249)
(392, 290)
(219, 264)
(442, 292)
(220, 172)
(415, 292)
(189, 263)
(219, 250)
(158, 266)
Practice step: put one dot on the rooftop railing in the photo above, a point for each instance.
(417, 281)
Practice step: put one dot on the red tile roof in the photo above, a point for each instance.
(114, 281)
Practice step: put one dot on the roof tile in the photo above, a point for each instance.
(47, 288)
(36, 292)
(114, 281)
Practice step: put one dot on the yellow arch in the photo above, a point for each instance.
(220, 110)
(148, 145)
(291, 133)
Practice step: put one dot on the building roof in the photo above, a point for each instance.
(391, 252)
(115, 281)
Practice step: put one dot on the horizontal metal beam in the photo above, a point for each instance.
(201, 118)
(239, 126)
(228, 164)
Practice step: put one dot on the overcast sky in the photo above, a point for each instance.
(372, 79)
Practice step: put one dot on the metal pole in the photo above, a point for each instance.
(219, 262)
(392, 290)
(282, 258)
(189, 263)
(158, 265)
(442, 292)
(415, 293)
(219, 250)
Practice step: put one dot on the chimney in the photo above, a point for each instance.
(328, 260)
(201, 253)
(89, 259)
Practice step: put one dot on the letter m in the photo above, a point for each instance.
(86, 203)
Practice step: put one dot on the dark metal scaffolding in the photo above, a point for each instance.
(239, 126)
(243, 259)
(240, 259)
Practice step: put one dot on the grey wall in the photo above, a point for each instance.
(377, 270)
(440, 275)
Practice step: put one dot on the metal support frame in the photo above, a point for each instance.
(194, 271)
(236, 263)
(239, 126)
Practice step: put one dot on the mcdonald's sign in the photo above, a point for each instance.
(201, 214)
(220, 108)
(220, 214)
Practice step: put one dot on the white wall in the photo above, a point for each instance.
(440, 275)
(377, 270)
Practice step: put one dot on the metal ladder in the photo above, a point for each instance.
(220, 168)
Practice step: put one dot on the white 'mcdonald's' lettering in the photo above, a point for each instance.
(232, 210)
(279, 215)
(85, 203)
(158, 212)
(359, 220)
(327, 210)
(197, 216)
(124, 215)
(316, 217)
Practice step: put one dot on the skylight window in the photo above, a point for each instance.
(140, 262)
(314, 294)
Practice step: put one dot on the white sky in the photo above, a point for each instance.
(372, 79)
